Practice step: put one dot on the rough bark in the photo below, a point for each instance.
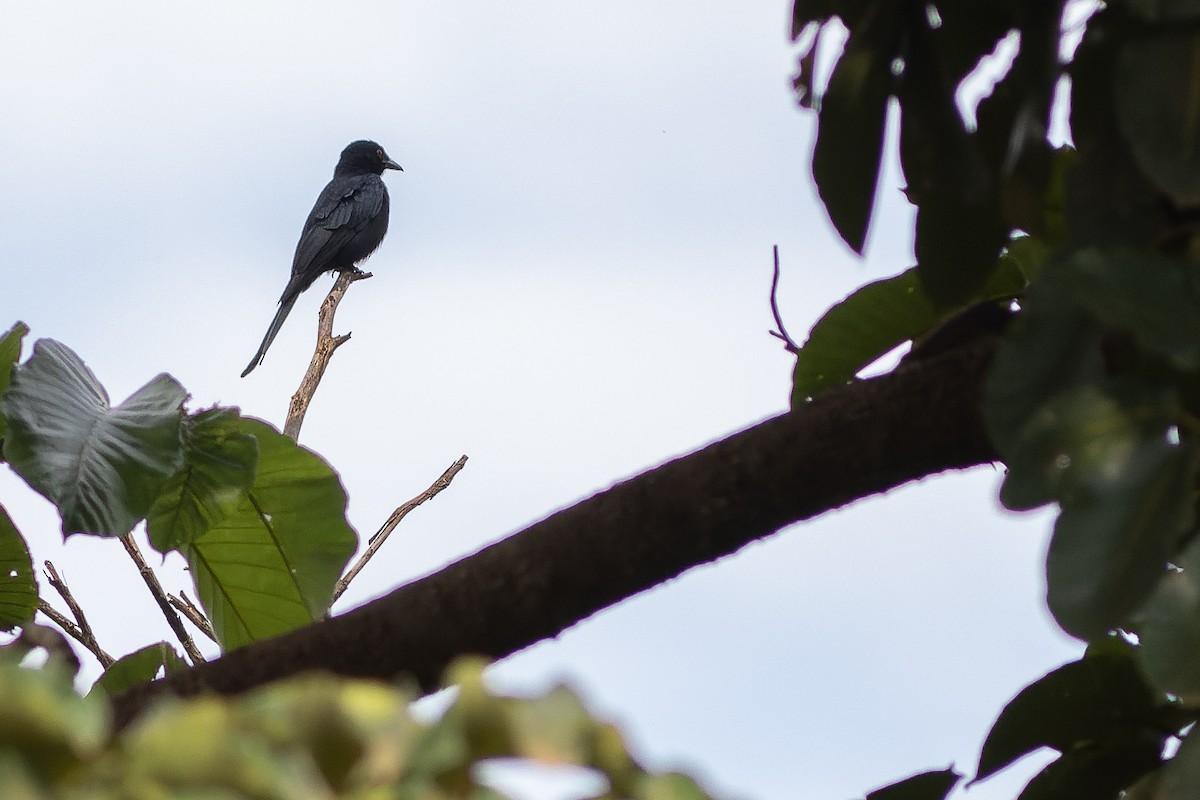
(848, 443)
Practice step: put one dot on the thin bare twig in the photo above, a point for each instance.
(184, 605)
(160, 597)
(82, 629)
(789, 344)
(74, 631)
(376, 541)
(326, 344)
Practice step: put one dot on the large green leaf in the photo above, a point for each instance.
(1126, 486)
(1100, 698)
(1097, 769)
(1179, 779)
(935, 785)
(958, 242)
(18, 585)
(218, 472)
(1169, 629)
(849, 147)
(140, 666)
(1156, 299)
(1050, 347)
(872, 321)
(10, 354)
(1161, 126)
(45, 723)
(102, 466)
(270, 566)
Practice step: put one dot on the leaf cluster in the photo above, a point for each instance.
(310, 737)
(260, 521)
(1093, 397)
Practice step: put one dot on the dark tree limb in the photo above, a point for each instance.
(844, 445)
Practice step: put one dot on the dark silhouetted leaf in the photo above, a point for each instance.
(1100, 698)
(270, 566)
(140, 666)
(1127, 506)
(849, 147)
(18, 585)
(1096, 769)
(1169, 629)
(1162, 130)
(1050, 347)
(1154, 298)
(218, 471)
(958, 246)
(10, 354)
(872, 321)
(926, 786)
(102, 466)
(1162, 10)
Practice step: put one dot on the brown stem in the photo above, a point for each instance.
(185, 606)
(160, 597)
(85, 636)
(75, 632)
(376, 541)
(326, 344)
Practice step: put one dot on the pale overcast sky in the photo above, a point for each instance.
(574, 289)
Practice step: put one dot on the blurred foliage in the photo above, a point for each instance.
(1093, 397)
(261, 521)
(314, 736)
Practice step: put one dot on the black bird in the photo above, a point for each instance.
(344, 227)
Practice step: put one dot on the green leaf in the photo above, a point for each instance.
(1099, 698)
(45, 722)
(958, 244)
(1127, 506)
(1155, 299)
(1162, 10)
(1169, 629)
(1179, 779)
(18, 585)
(140, 666)
(271, 565)
(218, 472)
(1161, 126)
(872, 321)
(849, 147)
(935, 785)
(1097, 769)
(102, 466)
(10, 354)
(1050, 347)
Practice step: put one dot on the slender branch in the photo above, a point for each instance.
(376, 541)
(185, 606)
(845, 444)
(326, 344)
(85, 635)
(160, 597)
(75, 632)
(788, 343)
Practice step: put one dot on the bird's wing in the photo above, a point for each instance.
(345, 207)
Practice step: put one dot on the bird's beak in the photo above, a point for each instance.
(389, 164)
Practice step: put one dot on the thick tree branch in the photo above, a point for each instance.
(846, 444)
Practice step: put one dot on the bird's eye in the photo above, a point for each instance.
(379, 154)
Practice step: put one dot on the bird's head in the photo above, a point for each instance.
(365, 156)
